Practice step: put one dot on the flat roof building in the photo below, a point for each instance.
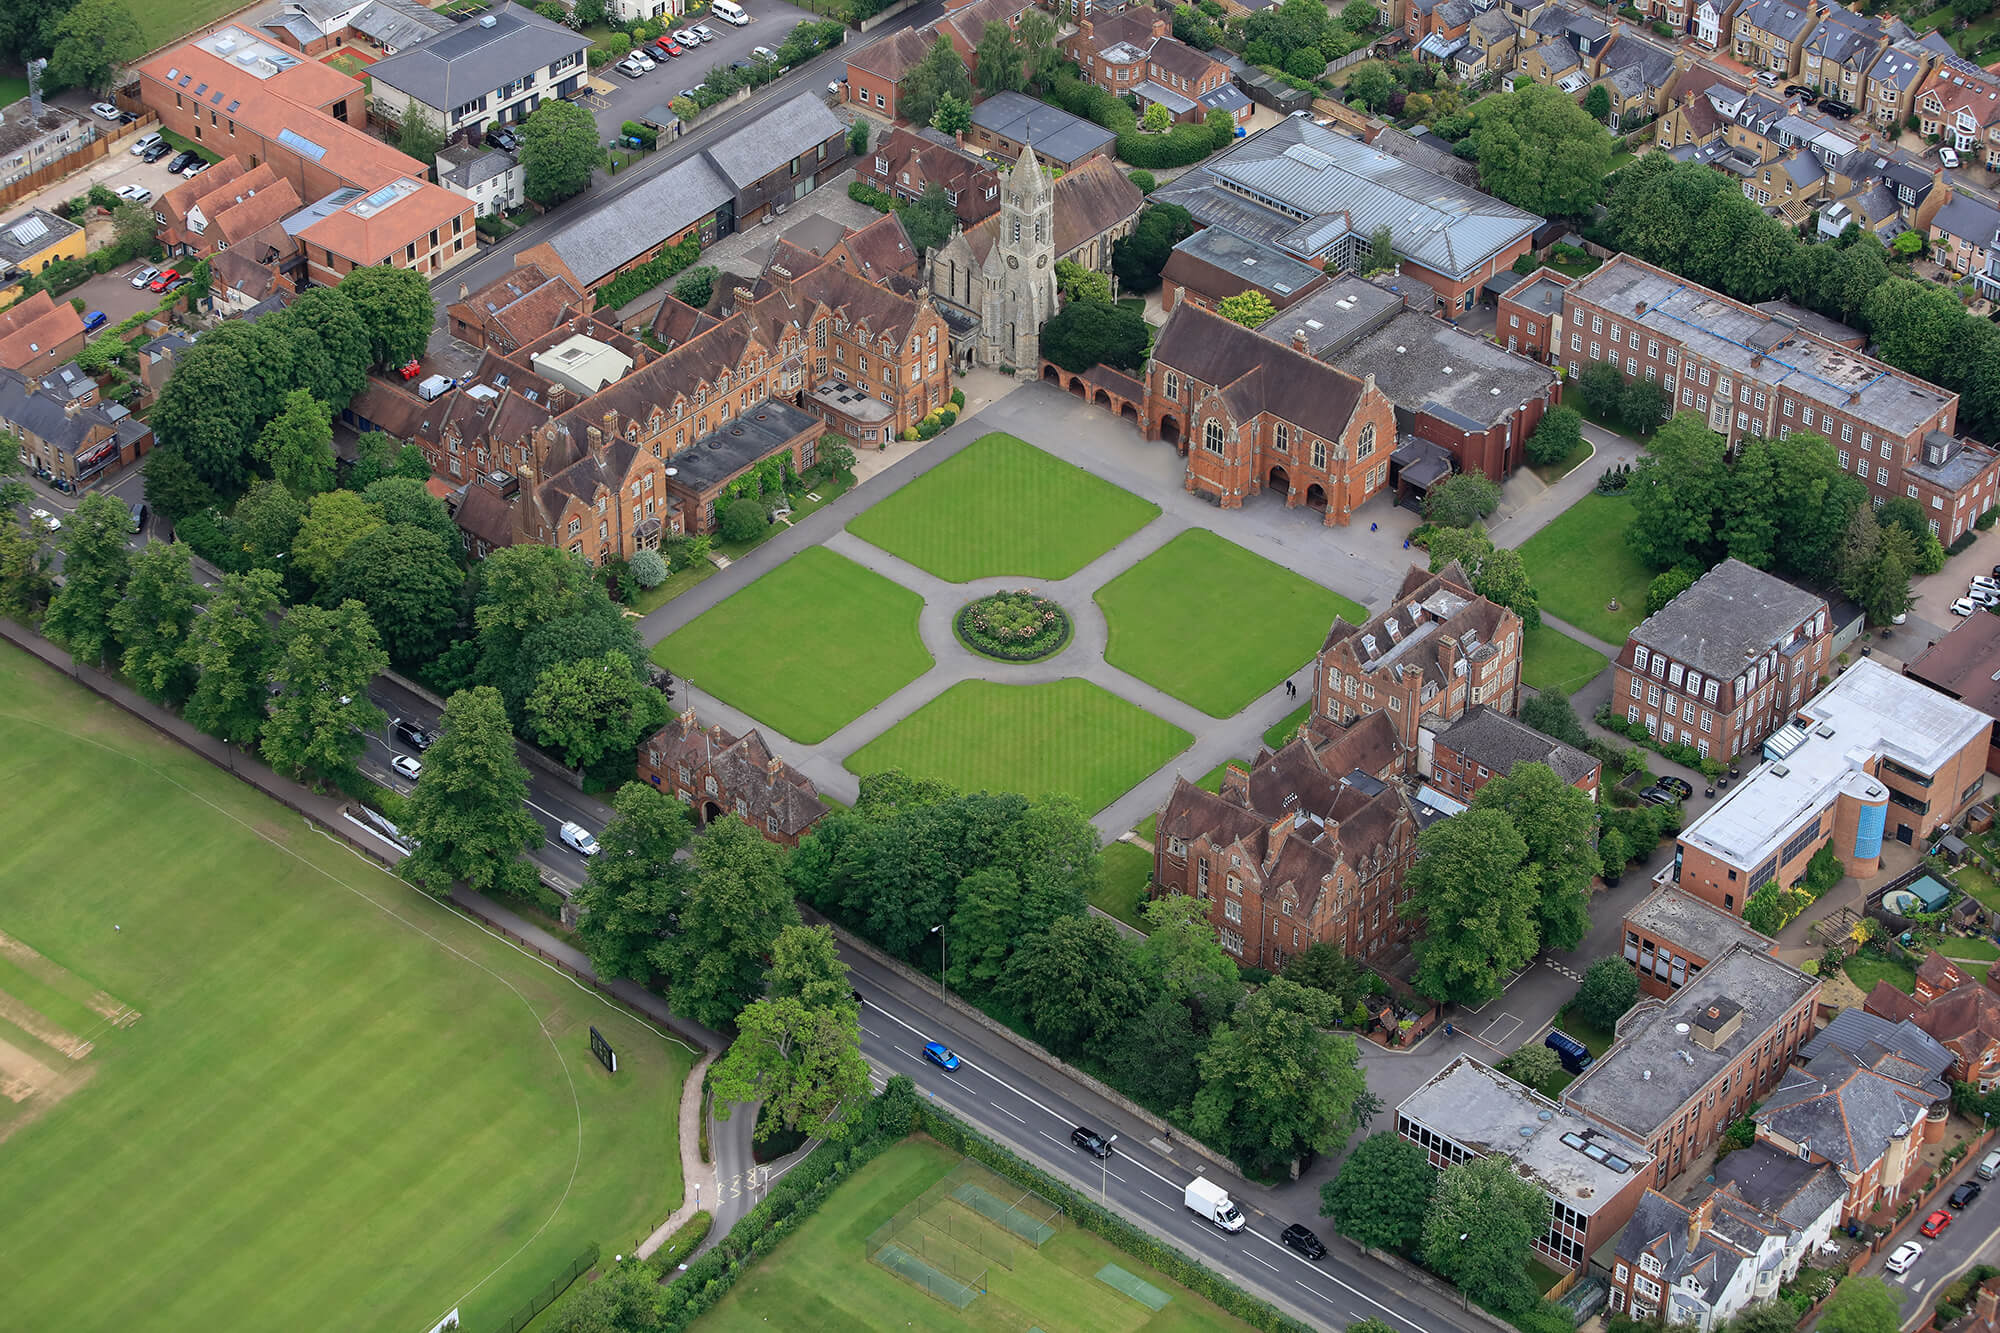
(1593, 1177)
(1672, 936)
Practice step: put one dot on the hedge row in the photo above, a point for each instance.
(687, 1238)
(639, 281)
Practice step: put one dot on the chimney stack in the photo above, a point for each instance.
(1299, 344)
(1699, 1218)
(1236, 785)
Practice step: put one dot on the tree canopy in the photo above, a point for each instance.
(1478, 897)
(559, 151)
(319, 718)
(95, 568)
(468, 817)
(1558, 824)
(1381, 1194)
(1137, 259)
(1275, 1083)
(396, 309)
(635, 884)
(1478, 1234)
(153, 621)
(1610, 987)
(1539, 150)
(1084, 334)
(736, 904)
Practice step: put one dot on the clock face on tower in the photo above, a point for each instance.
(1041, 261)
(1013, 261)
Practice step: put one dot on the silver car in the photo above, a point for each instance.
(144, 276)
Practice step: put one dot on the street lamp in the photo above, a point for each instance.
(1104, 1170)
(1464, 1301)
(938, 930)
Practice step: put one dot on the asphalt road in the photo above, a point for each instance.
(1032, 1110)
(1972, 1238)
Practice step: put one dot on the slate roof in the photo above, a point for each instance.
(1429, 365)
(397, 24)
(1090, 200)
(1500, 742)
(465, 166)
(463, 65)
(1329, 177)
(1256, 374)
(1427, 606)
(1659, 1227)
(775, 137)
(1422, 153)
(1844, 1111)
(1867, 1037)
(1784, 19)
(1729, 618)
(1218, 262)
(1796, 1191)
(1971, 220)
(1055, 134)
(35, 407)
(744, 767)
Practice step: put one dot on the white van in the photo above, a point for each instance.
(730, 12)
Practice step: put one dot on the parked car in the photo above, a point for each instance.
(139, 512)
(1800, 90)
(764, 53)
(670, 48)
(1965, 1194)
(138, 194)
(95, 320)
(166, 278)
(578, 837)
(940, 1055)
(412, 735)
(1303, 1240)
(104, 110)
(177, 284)
(181, 160)
(144, 276)
(1934, 1225)
(685, 37)
(629, 70)
(154, 152)
(1090, 1141)
(1837, 109)
(1948, 156)
(1657, 795)
(1678, 786)
(642, 60)
(145, 142)
(502, 137)
(1905, 1254)
(195, 169)
(43, 518)
(703, 31)
(408, 765)
(1963, 607)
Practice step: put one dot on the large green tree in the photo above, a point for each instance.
(1558, 823)
(93, 42)
(929, 218)
(320, 716)
(997, 66)
(232, 646)
(330, 344)
(1476, 893)
(805, 965)
(396, 307)
(1676, 491)
(1084, 334)
(25, 582)
(333, 522)
(1155, 1057)
(938, 73)
(1913, 324)
(1462, 499)
(635, 884)
(735, 907)
(1182, 959)
(1382, 1193)
(1550, 713)
(410, 583)
(174, 487)
(468, 817)
(1479, 1232)
(802, 1063)
(378, 456)
(1861, 1303)
(153, 621)
(1539, 150)
(400, 499)
(1559, 434)
(206, 416)
(559, 151)
(297, 445)
(539, 605)
(1275, 1083)
(1610, 987)
(1138, 258)
(95, 567)
(1075, 983)
(594, 710)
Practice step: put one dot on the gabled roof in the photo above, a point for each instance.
(890, 58)
(778, 134)
(1500, 742)
(1842, 1111)
(523, 303)
(1256, 374)
(1090, 200)
(453, 68)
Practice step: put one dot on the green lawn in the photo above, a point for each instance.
(1958, 946)
(1123, 874)
(676, 583)
(807, 648)
(1062, 735)
(819, 1278)
(1551, 473)
(1978, 883)
(340, 1097)
(12, 89)
(1865, 969)
(1176, 621)
(1551, 660)
(1580, 563)
(160, 25)
(1002, 507)
(1281, 730)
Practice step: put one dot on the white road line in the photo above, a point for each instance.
(1058, 1142)
(1162, 1202)
(1400, 1317)
(1322, 1295)
(1004, 1111)
(1271, 1266)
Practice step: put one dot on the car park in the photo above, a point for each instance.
(144, 276)
(1934, 1225)
(43, 518)
(1303, 1240)
(412, 735)
(642, 60)
(1965, 1194)
(408, 765)
(104, 110)
(1948, 156)
(578, 837)
(685, 37)
(144, 143)
(1678, 786)
(138, 194)
(156, 151)
(1963, 607)
(95, 320)
(940, 1055)
(1090, 1141)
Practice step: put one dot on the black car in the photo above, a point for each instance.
(1304, 1241)
(1800, 90)
(182, 160)
(1678, 786)
(412, 735)
(502, 137)
(1090, 1141)
(1964, 1194)
(156, 152)
(1838, 110)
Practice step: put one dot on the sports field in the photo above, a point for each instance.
(1061, 735)
(807, 648)
(820, 1279)
(310, 1096)
(1003, 507)
(1177, 621)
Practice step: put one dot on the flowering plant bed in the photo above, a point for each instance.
(1013, 626)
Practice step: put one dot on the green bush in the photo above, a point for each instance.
(863, 193)
(958, 400)
(687, 1238)
(645, 134)
(639, 281)
(1964, 540)
(743, 520)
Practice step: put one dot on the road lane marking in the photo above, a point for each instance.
(1353, 1291)
(1322, 1295)
(1004, 1111)
(1162, 1202)
(1273, 1267)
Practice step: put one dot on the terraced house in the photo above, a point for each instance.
(1960, 103)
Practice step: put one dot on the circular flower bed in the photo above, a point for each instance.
(1014, 626)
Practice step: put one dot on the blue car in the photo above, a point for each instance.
(940, 1055)
(95, 320)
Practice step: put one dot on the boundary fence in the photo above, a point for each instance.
(546, 1297)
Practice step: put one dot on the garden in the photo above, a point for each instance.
(1551, 660)
(1581, 565)
(1013, 626)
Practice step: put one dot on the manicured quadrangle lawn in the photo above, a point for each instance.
(807, 648)
(1551, 660)
(820, 1278)
(342, 1105)
(1177, 621)
(1002, 507)
(1057, 736)
(1580, 563)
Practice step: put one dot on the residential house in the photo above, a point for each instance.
(906, 162)
(1671, 936)
(493, 70)
(1953, 1010)
(64, 428)
(491, 179)
(1593, 1178)
(1725, 663)
(876, 71)
(1307, 845)
(1639, 74)
(1771, 34)
(1960, 103)
(1462, 756)
(1899, 73)
(1491, 41)
(515, 308)
(1436, 29)
(1874, 754)
(1965, 665)
(1135, 53)
(1320, 196)
(223, 207)
(1839, 52)
(38, 334)
(1962, 236)
(33, 142)
(1438, 652)
(1683, 1068)
(716, 773)
(1697, 1263)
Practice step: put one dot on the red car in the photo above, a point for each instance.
(666, 46)
(1935, 1224)
(164, 281)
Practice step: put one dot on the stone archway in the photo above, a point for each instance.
(1101, 399)
(1076, 387)
(1052, 375)
(1279, 483)
(1170, 429)
(1316, 496)
(710, 812)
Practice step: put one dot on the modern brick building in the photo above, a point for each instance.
(1439, 651)
(494, 70)
(1874, 755)
(1593, 1178)
(1684, 1067)
(1462, 756)
(1749, 373)
(1723, 665)
(1529, 314)
(1311, 844)
(716, 773)
(1672, 936)
(1251, 416)
(1965, 665)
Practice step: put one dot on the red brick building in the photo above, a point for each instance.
(715, 774)
(1464, 755)
(1310, 844)
(904, 163)
(1962, 1015)
(515, 308)
(1529, 318)
(1135, 52)
(1439, 651)
(1672, 936)
(1250, 416)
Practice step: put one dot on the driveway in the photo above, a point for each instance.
(114, 294)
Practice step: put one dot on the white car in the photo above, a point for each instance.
(703, 31)
(138, 194)
(408, 765)
(195, 169)
(763, 53)
(578, 837)
(1948, 156)
(43, 518)
(642, 60)
(1963, 607)
(686, 37)
(144, 276)
(104, 110)
(1905, 1254)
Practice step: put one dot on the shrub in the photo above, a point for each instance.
(650, 274)
(649, 568)
(687, 1238)
(1964, 540)
(958, 399)
(862, 193)
(1144, 179)
(743, 520)
(1014, 626)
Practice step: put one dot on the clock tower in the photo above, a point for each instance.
(1020, 270)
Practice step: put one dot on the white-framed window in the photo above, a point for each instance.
(1232, 910)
